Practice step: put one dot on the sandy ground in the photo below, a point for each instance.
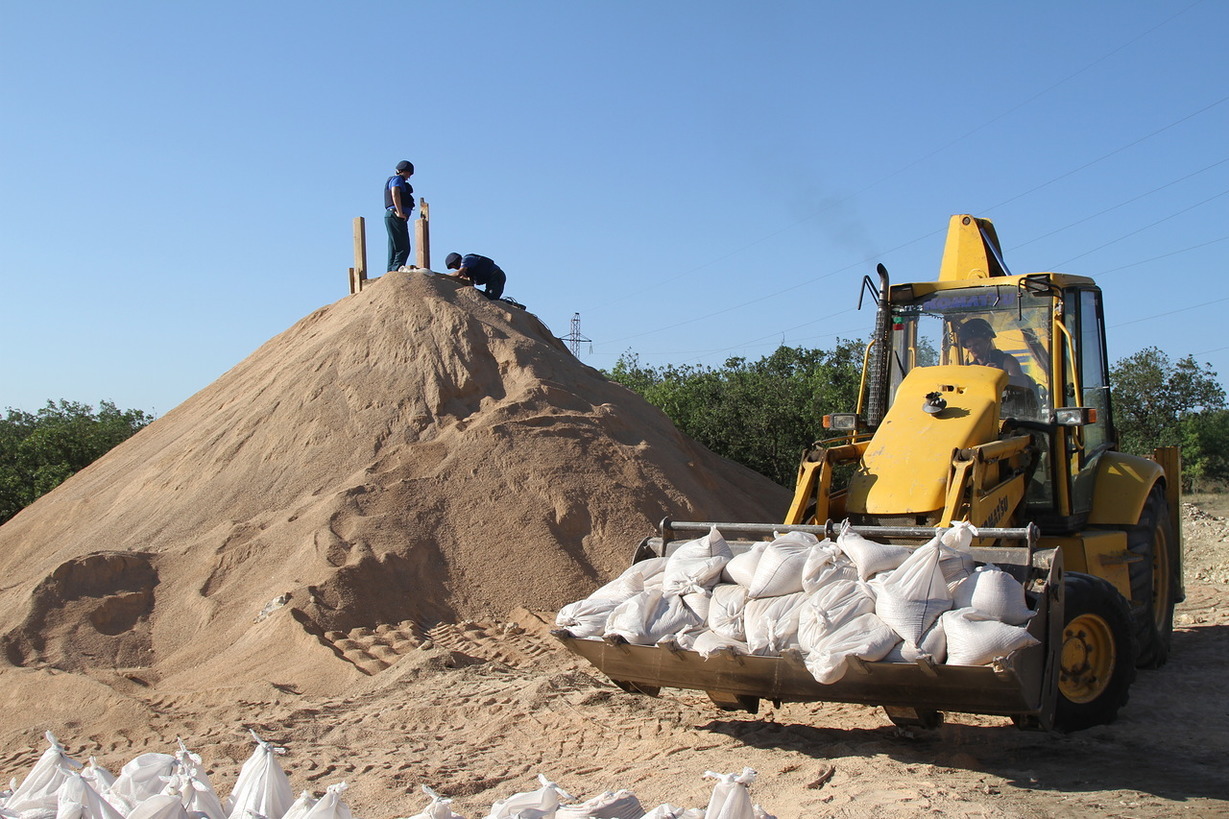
(476, 710)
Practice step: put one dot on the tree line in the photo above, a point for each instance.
(757, 413)
(763, 413)
(40, 450)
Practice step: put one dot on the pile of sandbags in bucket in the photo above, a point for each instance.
(163, 786)
(832, 601)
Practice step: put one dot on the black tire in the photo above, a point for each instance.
(1154, 580)
(1096, 659)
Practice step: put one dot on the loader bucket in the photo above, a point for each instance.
(1019, 685)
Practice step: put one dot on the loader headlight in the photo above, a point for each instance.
(1075, 416)
(842, 421)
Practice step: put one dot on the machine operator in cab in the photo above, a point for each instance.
(977, 338)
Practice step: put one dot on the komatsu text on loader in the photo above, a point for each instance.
(1025, 453)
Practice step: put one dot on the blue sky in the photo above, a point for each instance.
(698, 180)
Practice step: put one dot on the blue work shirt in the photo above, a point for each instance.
(407, 194)
(478, 268)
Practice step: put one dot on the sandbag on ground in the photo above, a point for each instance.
(38, 790)
(262, 786)
(543, 802)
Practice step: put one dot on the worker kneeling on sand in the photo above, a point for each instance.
(477, 270)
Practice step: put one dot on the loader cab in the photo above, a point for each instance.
(1047, 332)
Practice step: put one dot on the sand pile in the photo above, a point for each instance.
(408, 455)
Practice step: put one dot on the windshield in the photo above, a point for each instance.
(996, 326)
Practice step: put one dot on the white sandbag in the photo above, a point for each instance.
(75, 799)
(38, 790)
(646, 572)
(870, 557)
(771, 623)
(98, 777)
(915, 595)
(440, 808)
(707, 643)
(697, 564)
(725, 611)
(330, 806)
(865, 637)
(779, 570)
(262, 786)
(830, 608)
(160, 806)
(698, 602)
(543, 802)
(302, 805)
(995, 592)
(667, 811)
(586, 618)
(825, 564)
(959, 536)
(196, 791)
(974, 638)
(650, 616)
(955, 564)
(933, 647)
(741, 568)
(621, 804)
(730, 799)
(141, 778)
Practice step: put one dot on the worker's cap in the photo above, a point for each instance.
(453, 261)
(405, 165)
(975, 328)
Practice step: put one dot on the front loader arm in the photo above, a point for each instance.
(986, 483)
(814, 500)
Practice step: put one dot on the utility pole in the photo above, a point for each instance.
(574, 338)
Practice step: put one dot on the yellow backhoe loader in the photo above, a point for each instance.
(985, 398)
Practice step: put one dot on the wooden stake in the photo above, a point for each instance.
(360, 250)
(422, 236)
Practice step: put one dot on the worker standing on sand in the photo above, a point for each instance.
(477, 270)
(398, 202)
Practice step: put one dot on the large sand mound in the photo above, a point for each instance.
(408, 455)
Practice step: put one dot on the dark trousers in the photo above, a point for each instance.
(398, 239)
(495, 285)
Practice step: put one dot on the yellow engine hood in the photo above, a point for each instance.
(906, 465)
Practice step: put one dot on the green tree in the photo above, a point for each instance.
(39, 451)
(1205, 446)
(1158, 402)
(758, 413)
